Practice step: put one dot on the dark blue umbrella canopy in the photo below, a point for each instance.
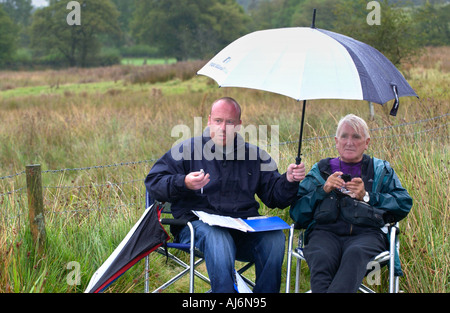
(380, 80)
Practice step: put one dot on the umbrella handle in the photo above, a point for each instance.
(298, 159)
(396, 102)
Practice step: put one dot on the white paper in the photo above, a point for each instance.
(223, 221)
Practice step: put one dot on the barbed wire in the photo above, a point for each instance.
(12, 191)
(281, 143)
(371, 130)
(92, 209)
(96, 185)
(100, 166)
(118, 184)
(13, 175)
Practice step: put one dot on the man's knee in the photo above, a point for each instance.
(213, 237)
(271, 246)
(276, 239)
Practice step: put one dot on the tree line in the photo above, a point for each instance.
(187, 29)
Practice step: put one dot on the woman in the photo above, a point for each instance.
(344, 203)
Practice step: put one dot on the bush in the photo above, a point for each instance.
(162, 73)
(56, 60)
(106, 57)
(140, 51)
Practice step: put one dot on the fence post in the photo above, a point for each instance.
(36, 204)
(371, 110)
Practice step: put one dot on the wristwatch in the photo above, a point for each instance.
(366, 197)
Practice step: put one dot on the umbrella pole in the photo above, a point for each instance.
(298, 159)
(313, 24)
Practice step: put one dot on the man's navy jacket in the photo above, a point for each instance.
(236, 176)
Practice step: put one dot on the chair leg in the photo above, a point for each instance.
(289, 258)
(392, 249)
(192, 259)
(365, 289)
(297, 275)
(190, 268)
(146, 285)
(181, 274)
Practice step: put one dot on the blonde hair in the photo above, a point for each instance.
(357, 123)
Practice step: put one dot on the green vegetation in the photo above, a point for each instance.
(97, 131)
(187, 29)
(146, 61)
(7, 40)
(110, 30)
(74, 45)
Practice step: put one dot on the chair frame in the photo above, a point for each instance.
(188, 248)
(385, 258)
(188, 268)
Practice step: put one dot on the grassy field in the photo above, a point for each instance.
(96, 133)
(146, 61)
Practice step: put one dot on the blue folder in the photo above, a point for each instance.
(266, 223)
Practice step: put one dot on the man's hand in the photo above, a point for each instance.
(295, 173)
(196, 180)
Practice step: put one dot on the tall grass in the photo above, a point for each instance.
(96, 145)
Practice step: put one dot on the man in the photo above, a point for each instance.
(343, 235)
(224, 181)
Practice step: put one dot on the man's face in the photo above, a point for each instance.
(350, 144)
(223, 122)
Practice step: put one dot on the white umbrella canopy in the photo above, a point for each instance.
(301, 63)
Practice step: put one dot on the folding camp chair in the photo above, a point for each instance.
(186, 248)
(385, 258)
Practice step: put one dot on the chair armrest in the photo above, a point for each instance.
(175, 222)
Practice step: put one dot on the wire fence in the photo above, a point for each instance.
(74, 191)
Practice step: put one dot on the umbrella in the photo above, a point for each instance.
(143, 238)
(308, 63)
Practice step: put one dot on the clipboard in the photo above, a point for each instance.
(252, 224)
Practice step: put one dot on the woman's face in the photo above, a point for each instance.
(351, 144)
